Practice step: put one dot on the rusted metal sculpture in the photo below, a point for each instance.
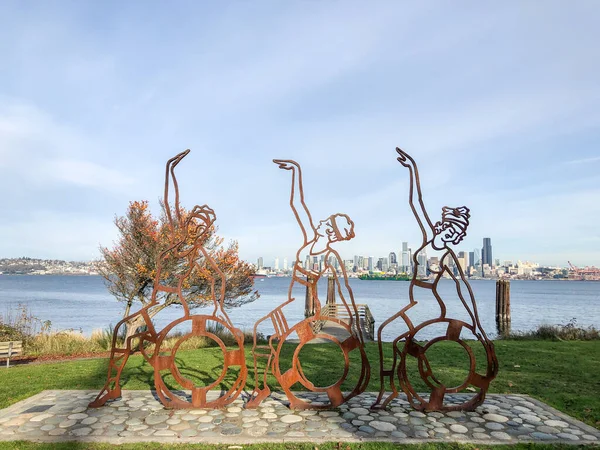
(187, 232)
(438, 237)
(318, 241)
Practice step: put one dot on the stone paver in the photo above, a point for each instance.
(139, 416)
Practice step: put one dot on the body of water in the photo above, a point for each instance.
(83, 302)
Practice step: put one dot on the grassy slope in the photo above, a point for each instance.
(563, 374)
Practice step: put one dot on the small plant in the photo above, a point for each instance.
(9, 333)
(103, 338)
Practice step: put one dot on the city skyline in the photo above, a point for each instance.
(468, 256)
(498, 103)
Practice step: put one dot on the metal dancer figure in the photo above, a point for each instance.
(187, 235)
(317, 241)
(438, 237)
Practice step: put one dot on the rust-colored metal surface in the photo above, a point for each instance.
(187, 232)
(409, 352)
(318, 241)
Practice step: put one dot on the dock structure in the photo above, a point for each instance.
(365, 322)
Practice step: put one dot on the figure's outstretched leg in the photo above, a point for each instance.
(387, 376)
(117, 361)
(263, 353)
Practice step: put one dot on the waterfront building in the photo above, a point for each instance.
(476, 257)
(382, 264)
(260, 264)
(392, 258)
(486, 270)
(486, 252)
(370, 264)
(405, 261)
(285, 264)
(463, 261)
(422, 269)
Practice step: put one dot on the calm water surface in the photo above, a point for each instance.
(83, 302)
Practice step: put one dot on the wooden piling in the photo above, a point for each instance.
(331, 291)
(309, 301)
(503, 306)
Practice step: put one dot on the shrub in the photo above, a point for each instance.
(9, 333)
(567, 332)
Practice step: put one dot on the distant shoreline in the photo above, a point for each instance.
(287, 276)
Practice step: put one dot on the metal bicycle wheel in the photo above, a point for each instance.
(435, 399)
(165, 365)
(334, 394)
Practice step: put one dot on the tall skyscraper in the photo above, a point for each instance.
(393, 259)
(486, 252)
(285, 264)
(382, 264)
(471, 259)
(405, 261)
(260, 263)
(463, 260)
(476, 259)
(276, 265)
(422, 261)
(370, 264)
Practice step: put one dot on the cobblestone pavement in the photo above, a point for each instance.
(139, 416)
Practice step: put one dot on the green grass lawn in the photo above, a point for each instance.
(565, 375)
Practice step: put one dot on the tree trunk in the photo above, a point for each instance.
(133, 325)
(138, 321)
(128, 308)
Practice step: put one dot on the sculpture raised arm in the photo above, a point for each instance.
(297, 196)
(170, 175)
(418, 208)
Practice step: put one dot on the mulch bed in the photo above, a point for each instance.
(45, 359)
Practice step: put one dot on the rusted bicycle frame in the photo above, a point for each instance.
(449, 231)
(317, 241)
(186, 235)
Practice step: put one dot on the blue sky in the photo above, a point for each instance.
(499, 103)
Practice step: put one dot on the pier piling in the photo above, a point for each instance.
(309, 302)
(330, 291)
(503, 306)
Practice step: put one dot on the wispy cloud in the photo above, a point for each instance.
(584, 160)
(38, 149)
(498, 104)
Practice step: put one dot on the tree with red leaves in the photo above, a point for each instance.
(130, 267)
